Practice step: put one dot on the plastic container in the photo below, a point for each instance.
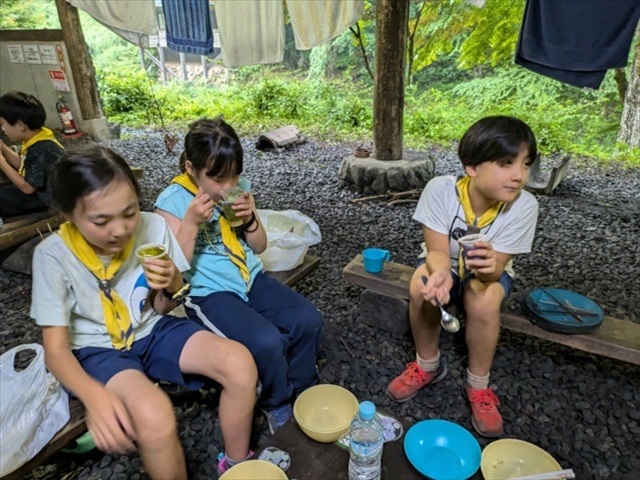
(366, 439)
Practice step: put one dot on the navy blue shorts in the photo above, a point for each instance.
(157, 355)
(457, 291)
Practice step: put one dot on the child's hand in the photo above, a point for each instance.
(109, 423)
(244, 205)
(482, 259)
(162, 273)
(200, 209)
(438, 286)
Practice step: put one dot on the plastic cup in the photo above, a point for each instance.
(467, 243)
(151, 250)
(374, 258)
(226, 204)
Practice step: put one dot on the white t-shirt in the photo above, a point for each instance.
(65, 293)
(511, 232)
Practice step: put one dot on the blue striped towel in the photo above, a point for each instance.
(188, 26)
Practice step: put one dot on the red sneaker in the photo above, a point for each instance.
(485, 417)
(406, 385)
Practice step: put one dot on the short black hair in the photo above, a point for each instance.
(496, 138)
(22, 107)
(84, 171)
(213, 145)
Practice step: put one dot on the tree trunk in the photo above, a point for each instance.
(80, 62)
(388, 103)
(629, 132)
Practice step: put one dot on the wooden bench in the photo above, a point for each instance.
(384, 304)
(77, 426)
(19, 229)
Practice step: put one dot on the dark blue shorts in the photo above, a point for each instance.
(457, 291)
(157, 355)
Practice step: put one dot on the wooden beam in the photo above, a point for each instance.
(614, 338)
(392, 17)
(80, 62)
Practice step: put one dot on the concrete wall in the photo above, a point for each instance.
(34, 78)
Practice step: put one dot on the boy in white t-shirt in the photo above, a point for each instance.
(496, 153)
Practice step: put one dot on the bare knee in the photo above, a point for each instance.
(154, 420)
(239, 374)
(482, 302)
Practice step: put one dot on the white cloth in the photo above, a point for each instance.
(511, 232)
(131, 15)
(319, 21)
(251, 31)
(66, 294)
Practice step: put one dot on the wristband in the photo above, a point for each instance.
(178, 296)
(253, 220)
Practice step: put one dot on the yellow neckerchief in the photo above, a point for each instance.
(486, 219)
(43, 134)
(116, 314)
(229, 238)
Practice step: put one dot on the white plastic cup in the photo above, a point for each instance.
(149, 251)
(467, 243)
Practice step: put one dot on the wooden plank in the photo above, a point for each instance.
(615, 338)
(21, 228)
(75, 427)
(392, 280)
(290, 277)
(311, 460)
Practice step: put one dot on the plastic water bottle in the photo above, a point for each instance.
(366, 439)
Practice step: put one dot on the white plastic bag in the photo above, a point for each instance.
(289, 235)
(33, 407)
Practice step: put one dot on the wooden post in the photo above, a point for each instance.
(388, 107)
(80, 62)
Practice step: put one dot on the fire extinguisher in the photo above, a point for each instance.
(68, 123)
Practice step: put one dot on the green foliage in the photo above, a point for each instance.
(28, 14)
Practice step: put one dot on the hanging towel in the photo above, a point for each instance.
(134, 16)
(576, 41)
(319, 21)
(188, 26)
(251, 31)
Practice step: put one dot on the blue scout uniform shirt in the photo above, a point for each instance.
(212, 270)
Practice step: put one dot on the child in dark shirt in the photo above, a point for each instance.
(22, 118)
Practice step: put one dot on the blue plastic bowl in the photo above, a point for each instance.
(442, 450)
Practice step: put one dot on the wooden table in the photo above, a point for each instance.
(311, 460)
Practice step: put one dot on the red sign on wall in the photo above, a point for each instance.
(59, 80)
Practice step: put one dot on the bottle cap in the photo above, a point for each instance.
(367, 410)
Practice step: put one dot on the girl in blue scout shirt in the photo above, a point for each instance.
(106, 333)
(489, 199)
(22, 118)
(230, 294)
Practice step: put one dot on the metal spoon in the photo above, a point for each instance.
(448, 321)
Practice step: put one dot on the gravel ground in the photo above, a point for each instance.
(581, 408)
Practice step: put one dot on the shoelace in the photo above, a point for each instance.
(414, 374)
(485, 399)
